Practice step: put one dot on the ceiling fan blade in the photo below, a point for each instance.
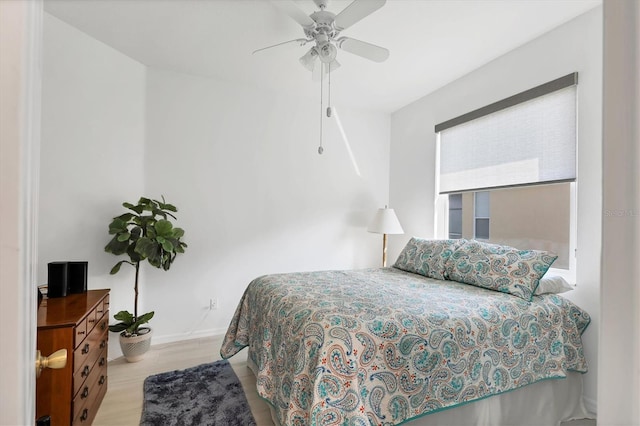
(364, 49)
(355, 12)
(291, 8)
(302, 42)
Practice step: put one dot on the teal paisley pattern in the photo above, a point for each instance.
(427, 257)
(382, 346)
(500, 268)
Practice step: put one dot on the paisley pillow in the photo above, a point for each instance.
(427, 257)
(500, 268)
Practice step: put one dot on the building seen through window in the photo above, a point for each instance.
(533, 217)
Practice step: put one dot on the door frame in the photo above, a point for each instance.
(21, 109)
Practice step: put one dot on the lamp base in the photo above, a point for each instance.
(384, 250)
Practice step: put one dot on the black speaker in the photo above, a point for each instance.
(77, 277)
(57, 282)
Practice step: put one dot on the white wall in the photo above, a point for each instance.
(254, 196)
(575, 46)
(91, 154)
(241, 164)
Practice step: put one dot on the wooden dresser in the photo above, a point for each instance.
(78, 323)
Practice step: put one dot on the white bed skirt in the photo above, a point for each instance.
(544, 403)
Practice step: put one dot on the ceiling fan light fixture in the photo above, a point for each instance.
(309, 59)
(327, 52)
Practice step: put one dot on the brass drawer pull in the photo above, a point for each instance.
(102, 380)
(102, 362)
(85, 393)
(80, 333)
(103, 325)
(103, 344)
(85, 349)
(85, 371)
(85, 415)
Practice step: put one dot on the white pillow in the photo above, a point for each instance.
(553, 284)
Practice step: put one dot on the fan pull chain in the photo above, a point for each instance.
(320, 149)
(329, 101)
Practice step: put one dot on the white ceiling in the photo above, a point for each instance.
(432, 42)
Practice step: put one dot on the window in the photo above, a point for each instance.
(481, 217)
(507, 171)
(455, 216)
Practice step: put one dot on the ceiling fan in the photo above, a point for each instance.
(323, 28)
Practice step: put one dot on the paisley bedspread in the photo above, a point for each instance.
(382, 346)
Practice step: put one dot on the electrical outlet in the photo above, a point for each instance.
(213, 304)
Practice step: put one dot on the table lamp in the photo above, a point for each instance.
(385, 222)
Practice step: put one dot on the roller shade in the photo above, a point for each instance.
(527, 139)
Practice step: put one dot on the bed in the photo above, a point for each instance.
(385, 346)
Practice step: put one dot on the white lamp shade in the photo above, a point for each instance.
(385, 222)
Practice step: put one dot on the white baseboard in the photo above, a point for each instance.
(171, 338)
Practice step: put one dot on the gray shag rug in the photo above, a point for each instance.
(208, 394)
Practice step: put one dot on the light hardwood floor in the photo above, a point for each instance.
(122, 404)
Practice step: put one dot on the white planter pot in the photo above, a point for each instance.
(134, 347)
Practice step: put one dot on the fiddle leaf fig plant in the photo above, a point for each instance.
(128, 323)
(144, 232)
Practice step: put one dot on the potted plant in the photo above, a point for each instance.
(143, 233)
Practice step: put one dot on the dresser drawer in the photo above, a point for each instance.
(91, 346)
(84, 362)
(80, 333)
(85, 409)
(91, 320)
(91, 387)
(102, 308)
(86, 372)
